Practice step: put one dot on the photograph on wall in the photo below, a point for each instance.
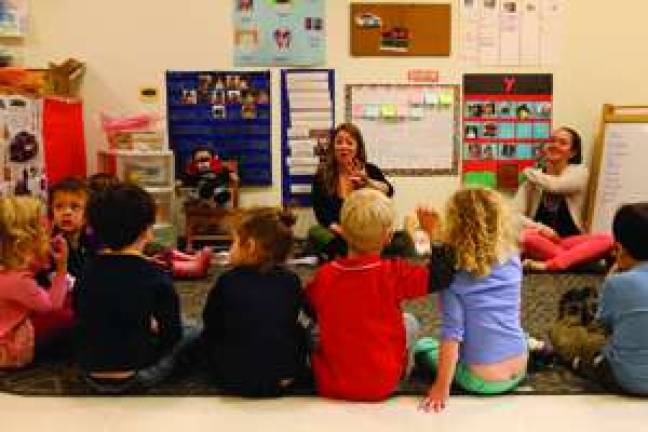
(400, 29)
(279, 32)
(507, 121)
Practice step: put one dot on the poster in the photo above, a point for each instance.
(21, 143)
(426, 114)
(279, 32)
(507, 121)
(13, 18)
(510, 32)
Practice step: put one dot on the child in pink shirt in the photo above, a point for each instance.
(24, 245)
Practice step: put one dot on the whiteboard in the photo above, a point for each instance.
(408, 129)
(623, 175)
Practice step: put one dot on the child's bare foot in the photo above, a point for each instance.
(534, 265)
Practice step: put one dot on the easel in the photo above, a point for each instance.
(611, 114)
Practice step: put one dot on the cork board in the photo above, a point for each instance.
(400, 29)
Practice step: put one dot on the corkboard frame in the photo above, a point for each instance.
(453, 170)
(430, 26)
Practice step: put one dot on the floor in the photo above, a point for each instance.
(501, 414)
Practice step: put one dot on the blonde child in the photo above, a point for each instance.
(483, 347)
(366, 341)
(253, 342)
(24, 247)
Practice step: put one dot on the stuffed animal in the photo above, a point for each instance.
(209, 176)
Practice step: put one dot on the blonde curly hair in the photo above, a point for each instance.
(23, 235)
(481, 229)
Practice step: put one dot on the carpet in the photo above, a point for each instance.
(57, 376)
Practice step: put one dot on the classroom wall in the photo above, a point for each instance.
(128, 44)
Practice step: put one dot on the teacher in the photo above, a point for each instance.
(344, 169)
(552, 203)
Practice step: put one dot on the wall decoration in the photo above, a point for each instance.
(510, 32)
(21, 142)
(408, 129)
(13, 18)
(307, 118)
(279, 32)
(400, 29)
(506, 121)
(227, 110)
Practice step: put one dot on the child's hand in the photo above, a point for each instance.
(436, 399)
(155, 326)
(429, 221)
(549, 233)
(60, 253)
(358, 176)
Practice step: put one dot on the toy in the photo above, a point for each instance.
(209, 176)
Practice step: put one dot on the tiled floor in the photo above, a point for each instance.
(501, 414)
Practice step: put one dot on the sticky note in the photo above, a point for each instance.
(524, 130)
(416, 112)
(541, 130)
(446, 98)
(388, 111)
(506, 130)
(430, 97)
(371, 111)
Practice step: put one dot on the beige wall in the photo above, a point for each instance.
(130, 43)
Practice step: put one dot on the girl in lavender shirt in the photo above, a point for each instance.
(482, 348)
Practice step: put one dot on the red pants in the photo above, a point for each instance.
(51, 325)
(567, 252)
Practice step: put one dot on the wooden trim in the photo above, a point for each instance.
(609, 114)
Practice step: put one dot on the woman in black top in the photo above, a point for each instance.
(344, 170)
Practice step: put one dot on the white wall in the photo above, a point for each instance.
(127, 44)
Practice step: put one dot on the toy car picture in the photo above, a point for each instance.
(395, 39)
(368, 20)
(23, 147)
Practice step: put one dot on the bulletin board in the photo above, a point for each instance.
(618, 172)
(506, 123)
(226, 110)
(307, 119)
(408, 129)
(400, 29)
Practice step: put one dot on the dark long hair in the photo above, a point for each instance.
(329, 171)
(576, 145)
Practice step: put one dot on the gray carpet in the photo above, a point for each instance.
(540, 298)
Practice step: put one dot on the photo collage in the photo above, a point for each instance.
(506, 123)
(230, 96)
(505, 129)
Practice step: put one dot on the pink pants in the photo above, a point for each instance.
(567, 252)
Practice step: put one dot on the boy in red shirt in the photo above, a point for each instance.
(364, 347)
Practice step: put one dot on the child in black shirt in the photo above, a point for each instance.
(128, 313)
(254, 344)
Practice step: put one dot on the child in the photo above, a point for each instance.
(254, 344)
(365, 339)
(181, 265)
(127, 310)
(67, 203)
(483, 347)
(618, 362)
(24, 247)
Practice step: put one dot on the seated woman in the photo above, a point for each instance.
(344, 170)
(551, 201)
